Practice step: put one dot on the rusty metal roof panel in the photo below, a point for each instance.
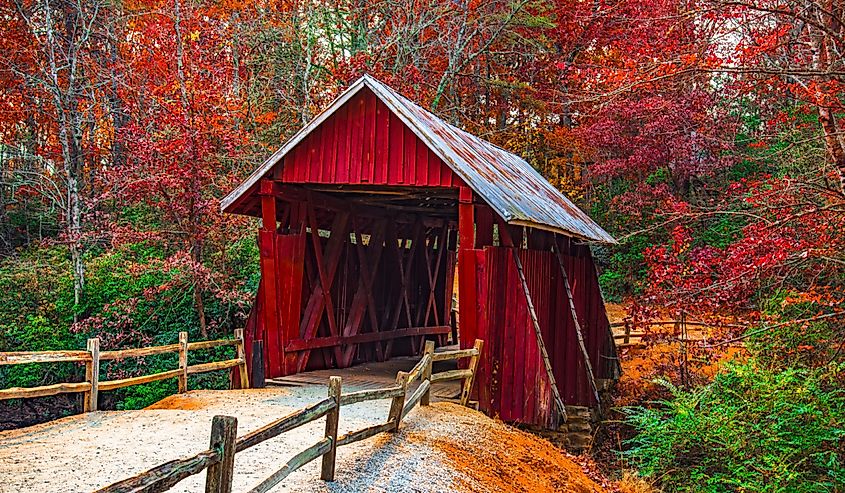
(511, 186)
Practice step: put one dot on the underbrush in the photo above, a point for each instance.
(136, 295)
(756, 427)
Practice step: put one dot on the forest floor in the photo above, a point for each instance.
(660, 355)
(444, 447)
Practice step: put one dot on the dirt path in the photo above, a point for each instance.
(441, 448)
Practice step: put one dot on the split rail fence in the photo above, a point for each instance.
(93, 356)
(218, 460)
(680, 325)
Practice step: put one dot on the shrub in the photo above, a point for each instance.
(133, 298)
(752, 429)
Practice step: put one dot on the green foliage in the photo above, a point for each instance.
(133, 298)
(141, 396)
(625, 269)
(743, 169)
(612, 285)
(29, 319)
(752, 429)
(660, 175)
(722, 232)
(808, 344)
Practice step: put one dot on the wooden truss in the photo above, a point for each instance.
(369, 279)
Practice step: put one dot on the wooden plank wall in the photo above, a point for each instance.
(512, 379)
(364, 143)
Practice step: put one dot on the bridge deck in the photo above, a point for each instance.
(375, 375)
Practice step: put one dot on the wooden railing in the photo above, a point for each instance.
(93, 356)
(218, 460)
(629, 325)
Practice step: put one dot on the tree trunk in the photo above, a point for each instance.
(833, 144)
(196, 255)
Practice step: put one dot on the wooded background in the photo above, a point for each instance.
(704, 134)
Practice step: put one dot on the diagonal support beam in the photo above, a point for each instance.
(320, 301)
(431, 306)
(363, 301)
(538, 333)
(578, 332)
(403, 302)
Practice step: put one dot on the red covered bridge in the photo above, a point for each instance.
(368, 215)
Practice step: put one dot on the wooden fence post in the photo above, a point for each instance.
(183, 362)
(92, 375)
(425, 400)
(627, 338)
(395, 415)
(332, 418)
(241, 355)
(258, 364)
(224, 432)
(473, 367)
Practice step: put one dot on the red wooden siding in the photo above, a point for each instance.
(364, 143)
(330, 300)
(512, 379)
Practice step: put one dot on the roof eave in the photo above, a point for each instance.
(605, 239)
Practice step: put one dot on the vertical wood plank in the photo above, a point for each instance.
(92, 375)
(332, 419)
(344, 133)
(435, 169)
(314, 147)
(356, 144)
(241, 355)
(369, 132)
(224, 432)
(520, 387)
(410, 153)
(258, 364)
(267, 252)
(395, 151)
(421, 165)
(395, 415)
(326, 148)
(382, 142)
(183, 362)
(466, 390)
(488, 325)
(425, 400)
(466, 268)
(515, 317)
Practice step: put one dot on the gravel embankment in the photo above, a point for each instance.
(441, 448)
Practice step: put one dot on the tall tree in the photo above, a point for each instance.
(54, 58)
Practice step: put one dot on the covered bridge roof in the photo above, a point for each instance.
(511, 186)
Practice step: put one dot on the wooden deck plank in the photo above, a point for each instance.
(374, 375)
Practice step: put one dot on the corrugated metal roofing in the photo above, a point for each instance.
(511, 186)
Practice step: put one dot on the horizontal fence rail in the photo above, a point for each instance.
(630, 325)
(93, 356)
(218, 460)
(22, 357)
